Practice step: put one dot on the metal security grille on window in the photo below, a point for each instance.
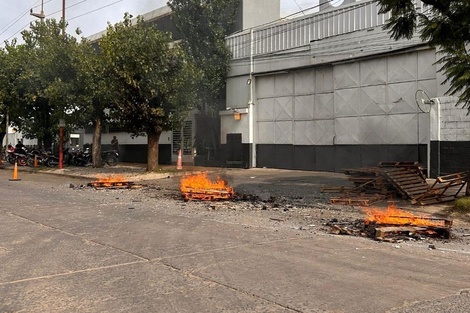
(182, 139)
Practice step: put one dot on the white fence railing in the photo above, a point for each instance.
(301, 31)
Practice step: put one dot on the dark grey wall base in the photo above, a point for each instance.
(336, 158)
(454, 157)
(138, 153)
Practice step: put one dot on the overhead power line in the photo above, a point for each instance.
(52, 13)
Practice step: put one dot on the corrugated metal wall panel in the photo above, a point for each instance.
(372, 130)
(304, 107)
(426, 65)
(324, 106)
(283, 132)
(324, 81)
(265, 109)
(401, 97)
(284, 85)
(265, 86)
(283, 109)
(402, 129)
(265, 133)
(304, 82)
(304, 133)
(373, 100)
(374, 71)
(347, 75)
(403, 67)
(346, 104)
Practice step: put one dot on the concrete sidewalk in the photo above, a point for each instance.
(137, 171)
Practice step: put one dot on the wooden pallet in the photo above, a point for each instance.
(408, 181)
(361, 200)
(406, 178)
(335, 189)
(113, 185)
(206, 195)
(368, 180)
(431, 231)
(444, 189)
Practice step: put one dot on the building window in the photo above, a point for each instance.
(183, 139)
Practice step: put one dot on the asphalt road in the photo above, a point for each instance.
(68, 249)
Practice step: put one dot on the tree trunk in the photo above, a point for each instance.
(153, 139)
(96, 144)
(47, 140)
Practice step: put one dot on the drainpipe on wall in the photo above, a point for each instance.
(435, 134)
(251, 107)
(438, 106)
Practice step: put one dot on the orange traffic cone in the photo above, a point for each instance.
(35, 161)
(179, 163)
(15, 173)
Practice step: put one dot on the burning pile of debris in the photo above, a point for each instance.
(113, 182)
(200, 187)
(393, 224)
(388, 179)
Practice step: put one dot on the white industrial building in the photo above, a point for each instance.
(331, 90)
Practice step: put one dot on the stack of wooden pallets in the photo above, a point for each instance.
(372, 184)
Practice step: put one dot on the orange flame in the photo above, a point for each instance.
(394, 216)
(111, 179)
(202, 183)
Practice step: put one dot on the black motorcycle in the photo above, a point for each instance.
(47, 158)
(81, 157)
(36, 156)
(84, 158)
(109, 157)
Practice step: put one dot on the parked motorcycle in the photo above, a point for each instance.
(18, 156)
(39, 155)
(109, 157)
(84, 158)
(47, 158)
(81, 157)
(53, 159)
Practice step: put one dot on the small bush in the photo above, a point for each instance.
(462, 205)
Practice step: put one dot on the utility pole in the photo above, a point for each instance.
(41, 15)
(63, 18)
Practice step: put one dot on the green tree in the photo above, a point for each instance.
(8, 91)
(203, 26)
(89, 97)
(44, 67)
(151, 79)
(443, 24)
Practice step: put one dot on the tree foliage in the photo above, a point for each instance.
(10, 69)
(39, 71)
(89, 96)
(203, 26)
(443, 24)
(151, 79)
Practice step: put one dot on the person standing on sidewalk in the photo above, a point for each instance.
(115, 144)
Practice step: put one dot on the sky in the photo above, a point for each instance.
(92, 16)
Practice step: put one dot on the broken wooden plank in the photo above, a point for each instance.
(382, 232)
(335, 189)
